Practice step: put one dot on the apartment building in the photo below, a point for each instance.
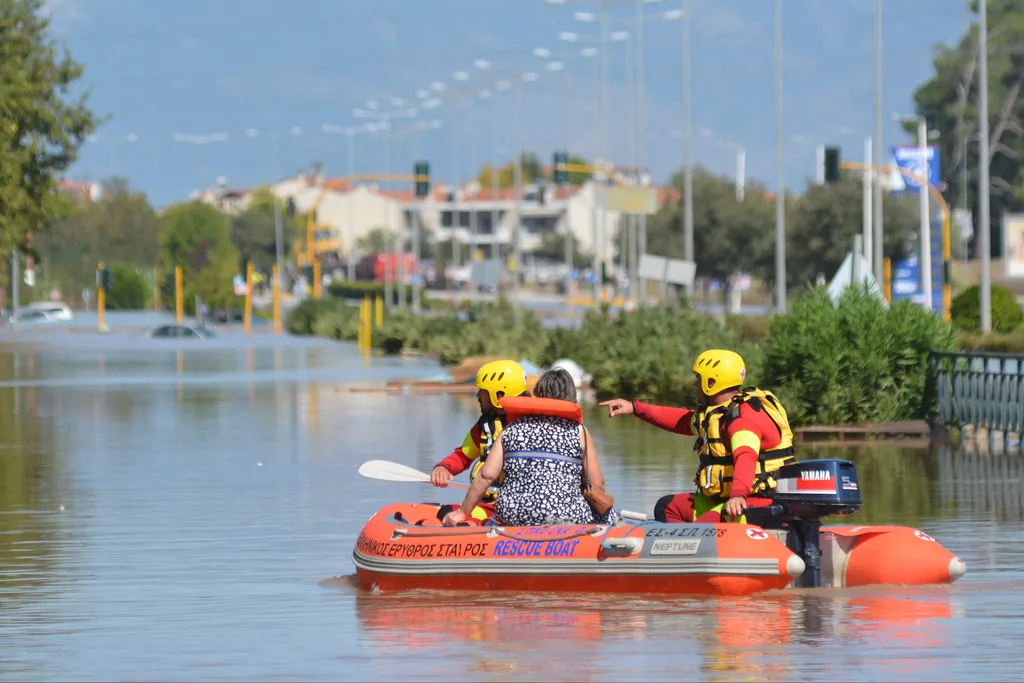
(477, 217)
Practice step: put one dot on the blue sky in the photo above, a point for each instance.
(199, 67)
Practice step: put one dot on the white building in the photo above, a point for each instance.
(476, 216)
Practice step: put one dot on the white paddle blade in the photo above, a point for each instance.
(391, 471)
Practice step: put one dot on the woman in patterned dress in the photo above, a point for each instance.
(541, 459)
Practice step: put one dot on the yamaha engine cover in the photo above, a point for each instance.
(812, 489)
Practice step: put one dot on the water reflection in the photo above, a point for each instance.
(30, 507)
(756, 638)
(982, 484)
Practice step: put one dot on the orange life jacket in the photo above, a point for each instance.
(519, 406)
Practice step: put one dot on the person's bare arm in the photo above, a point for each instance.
(487, 476)
(593, 462)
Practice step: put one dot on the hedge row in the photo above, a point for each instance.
(854, 362)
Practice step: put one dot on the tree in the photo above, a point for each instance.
(532, 169)
(254, 232)
(949, 100)
(129, 290)
(729, 237)
(823, 222)
(41, 130)
(579, 177)
(196, 237)
(121, 227)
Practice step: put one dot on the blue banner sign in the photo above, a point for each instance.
(906, 275)
(907, 158)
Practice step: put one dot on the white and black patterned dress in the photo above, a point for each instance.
(543, 469)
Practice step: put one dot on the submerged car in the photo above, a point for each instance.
(175, 331)
(30, 315)
(54, 310)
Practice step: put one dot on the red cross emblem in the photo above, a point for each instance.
(923, 536)
(757, 534)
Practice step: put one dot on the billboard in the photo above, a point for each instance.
(1013, 245)
(631, 200)
(908, 158)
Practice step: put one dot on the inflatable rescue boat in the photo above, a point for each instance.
(404, 546)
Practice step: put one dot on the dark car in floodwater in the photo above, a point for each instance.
(175, 331)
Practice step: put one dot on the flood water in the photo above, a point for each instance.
(188, 510)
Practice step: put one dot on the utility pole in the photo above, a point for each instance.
(687, 141)
(780, 192)
(877, 140)
(984, 187)
(926, 227)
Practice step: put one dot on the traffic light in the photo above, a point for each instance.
(831, 164)
(104, 277)
(560, 173)
(421, 169)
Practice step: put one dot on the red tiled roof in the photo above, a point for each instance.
(439, 192)
(80, 188)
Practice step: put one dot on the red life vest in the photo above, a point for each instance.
(519, 406)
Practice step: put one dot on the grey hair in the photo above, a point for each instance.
(556, 383)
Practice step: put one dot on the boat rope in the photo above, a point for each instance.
(628, 523)
(493, 531)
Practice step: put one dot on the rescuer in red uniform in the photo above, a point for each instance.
(743, 438)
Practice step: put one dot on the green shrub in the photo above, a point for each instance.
(648, 354)
(749, 327)
(300, 320)
(1006, 311)
(852, 363)
(129, 291)
(484, 329)
(341, 324)
(993, 343)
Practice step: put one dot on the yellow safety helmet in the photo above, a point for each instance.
(506, 376)
(720, 370)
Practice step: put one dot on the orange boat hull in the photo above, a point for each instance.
(394, 552)
(886, 555)
(404, 547)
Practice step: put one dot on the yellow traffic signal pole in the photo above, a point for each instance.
(311, 255)
(101, 299)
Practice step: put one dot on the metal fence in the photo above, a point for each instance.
(982, 390)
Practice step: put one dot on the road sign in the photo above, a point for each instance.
(908, 158)
(672, 271)
(631, 200)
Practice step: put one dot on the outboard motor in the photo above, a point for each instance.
(807, 491)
